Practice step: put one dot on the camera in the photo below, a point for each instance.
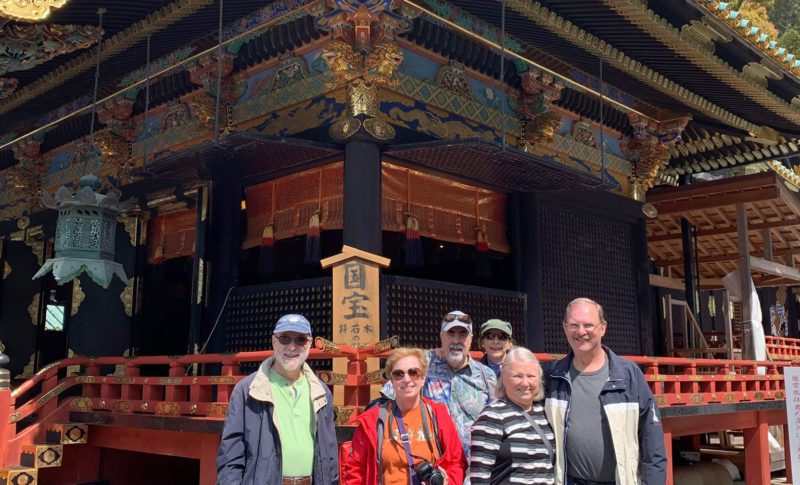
(429, 473)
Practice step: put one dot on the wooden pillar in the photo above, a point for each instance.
(362, 197)
(648, 332)
(756, 453)
(766, 235)
(668, 452)
(726, 316)
(222, 266)
(787, 453)
(209, 443)
(748, 352)
(690, 272)
(530, 270)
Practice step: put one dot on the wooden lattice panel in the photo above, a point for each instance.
(414, 308)
(252, 311)
(588, 256)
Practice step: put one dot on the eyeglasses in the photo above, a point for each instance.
(589, 327)
(495, 336)
(450, 317)
(300, 340)
(413, 373)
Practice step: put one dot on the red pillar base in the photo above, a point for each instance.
(756, 454)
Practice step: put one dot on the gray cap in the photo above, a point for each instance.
(293, 323)
(456, 318)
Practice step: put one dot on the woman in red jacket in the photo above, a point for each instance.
(408, 440)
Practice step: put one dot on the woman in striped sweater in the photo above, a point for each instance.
(511, 440)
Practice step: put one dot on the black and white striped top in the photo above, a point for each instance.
(507, 449)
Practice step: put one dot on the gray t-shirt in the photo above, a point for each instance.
(590, 452)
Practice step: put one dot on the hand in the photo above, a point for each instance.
(444, 474)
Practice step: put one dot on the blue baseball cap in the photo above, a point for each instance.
(293, 323)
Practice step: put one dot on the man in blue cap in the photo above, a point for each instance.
(279, 428)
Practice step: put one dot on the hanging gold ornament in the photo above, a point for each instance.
(30, 10)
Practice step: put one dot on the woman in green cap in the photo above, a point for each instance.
(495, 341)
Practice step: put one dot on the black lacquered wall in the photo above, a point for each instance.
(413, 308)
(251, 313)
(587, 255)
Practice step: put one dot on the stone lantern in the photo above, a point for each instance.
(85, 233)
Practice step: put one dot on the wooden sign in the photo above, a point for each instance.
(356, 303)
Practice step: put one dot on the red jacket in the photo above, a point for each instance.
(360, 467)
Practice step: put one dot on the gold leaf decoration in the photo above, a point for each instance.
(72, 369)
(33, 309)
(29, 9)
(129, 224)
(168, 408)
(38, 249)
(127, 298)
(217, 410)
(77, 296)
(343, 415)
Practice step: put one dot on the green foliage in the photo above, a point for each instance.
(790, 40)
(757, 14)
(768, 4)
(785, 14)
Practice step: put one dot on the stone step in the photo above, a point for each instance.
(18, 475)
(41, 455)
(67, 433)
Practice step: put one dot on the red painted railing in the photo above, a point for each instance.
(783, 348)
(177, 392)
(678, 381)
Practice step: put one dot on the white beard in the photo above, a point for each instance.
(291, 364)
(455, 358)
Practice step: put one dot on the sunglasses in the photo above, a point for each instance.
(461, 318)
(496, 336)
(413, 373)
(300, 340)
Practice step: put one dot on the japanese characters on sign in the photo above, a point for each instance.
(791, 376)
(357, 325)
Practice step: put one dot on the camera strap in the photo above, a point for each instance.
(404, 438)
(539, 430)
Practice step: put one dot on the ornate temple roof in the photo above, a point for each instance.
(665, 59)
(678, 56)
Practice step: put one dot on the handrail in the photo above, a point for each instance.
(698, 332)
(323, 350)
(177, 393)
(783, 348)
(673, 381)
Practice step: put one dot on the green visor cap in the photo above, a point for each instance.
(496, 324)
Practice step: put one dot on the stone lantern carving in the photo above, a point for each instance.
(85, 233)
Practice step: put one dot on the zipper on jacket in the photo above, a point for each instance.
(566, 420)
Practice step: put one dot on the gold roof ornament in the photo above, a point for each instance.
(30, 10)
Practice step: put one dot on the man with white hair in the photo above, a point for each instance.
(454, 378)
(606, 424)
(279, 427)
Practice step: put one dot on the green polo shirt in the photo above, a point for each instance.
(295, 420)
